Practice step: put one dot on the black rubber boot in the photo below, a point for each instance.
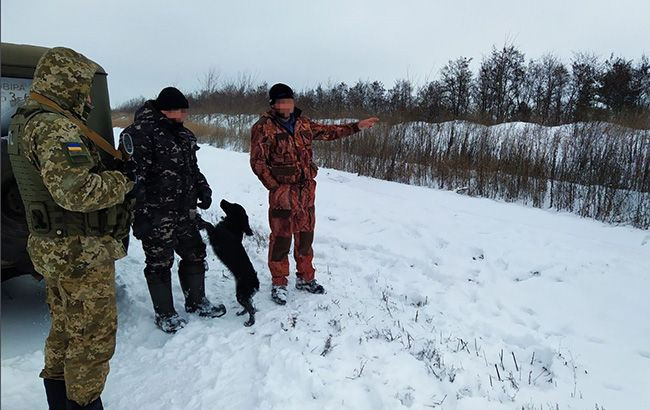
(160, 289)
(55, 393)
(192, 277)
(95, 405)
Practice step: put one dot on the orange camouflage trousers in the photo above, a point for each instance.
(292, 216)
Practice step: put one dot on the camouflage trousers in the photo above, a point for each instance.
(80, 281)
(292, 214)
(175, 231)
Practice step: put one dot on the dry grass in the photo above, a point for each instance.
(121, 119)
(235, 137)
(597, 170)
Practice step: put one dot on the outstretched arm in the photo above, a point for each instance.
(324, 132)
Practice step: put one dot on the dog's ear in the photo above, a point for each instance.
(225, 205)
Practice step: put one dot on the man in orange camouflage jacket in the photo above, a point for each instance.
(282, 158)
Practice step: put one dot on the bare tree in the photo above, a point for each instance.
(430, 102)
(401, 100)
(500, 84)
(456, 85)
(618, 89)
(546, 84)
(585, 70)
(642, 78)
(209, 82)
(357, 99)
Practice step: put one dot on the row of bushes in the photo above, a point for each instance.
(597, 170)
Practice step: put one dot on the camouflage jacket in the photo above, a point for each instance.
(69, 163)
(163, 162)
(278, 157)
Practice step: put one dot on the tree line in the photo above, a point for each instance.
(505, 88)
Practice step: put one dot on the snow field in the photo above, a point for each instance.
(427, 291)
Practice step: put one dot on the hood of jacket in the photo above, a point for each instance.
(65, 77)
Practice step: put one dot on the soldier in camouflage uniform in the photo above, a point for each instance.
(77, 217)
(168, 184)
(282, 158)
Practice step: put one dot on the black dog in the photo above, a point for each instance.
(226, 240)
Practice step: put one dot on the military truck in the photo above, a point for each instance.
(18, 65)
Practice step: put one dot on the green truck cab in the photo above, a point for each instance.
(18, 65)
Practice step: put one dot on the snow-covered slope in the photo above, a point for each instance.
(434, 300)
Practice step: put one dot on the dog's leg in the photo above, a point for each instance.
(248, 306)
(250, 309)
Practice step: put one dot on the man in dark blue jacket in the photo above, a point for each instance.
(169, 187)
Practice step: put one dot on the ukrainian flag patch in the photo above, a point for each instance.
(74, 147)
(76, 152)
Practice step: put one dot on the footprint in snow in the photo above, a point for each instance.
(473, 275)
(612, 386)
(441, 243)
(529, 275)
(477, 254)
(596, 340)
(338, 178)
(501, 264)
(529, 311)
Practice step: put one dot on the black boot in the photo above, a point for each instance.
(279, 294)
(56, 395)
(310, 286)
(192, 277)
(95, 405)
(160, 289)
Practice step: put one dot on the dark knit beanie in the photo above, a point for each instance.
(171, 98)
(279, 91)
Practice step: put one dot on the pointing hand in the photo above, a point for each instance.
(368, 123)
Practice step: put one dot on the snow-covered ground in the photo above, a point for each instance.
(434, 300)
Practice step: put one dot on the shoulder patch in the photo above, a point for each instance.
(74, 148)
(127, 143)
(77, 153)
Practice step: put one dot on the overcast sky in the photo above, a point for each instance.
(146, 45)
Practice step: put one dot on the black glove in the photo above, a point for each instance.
(142, 225)
(205, 199)
(137, 195)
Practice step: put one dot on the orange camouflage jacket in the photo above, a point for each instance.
(278, 157)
